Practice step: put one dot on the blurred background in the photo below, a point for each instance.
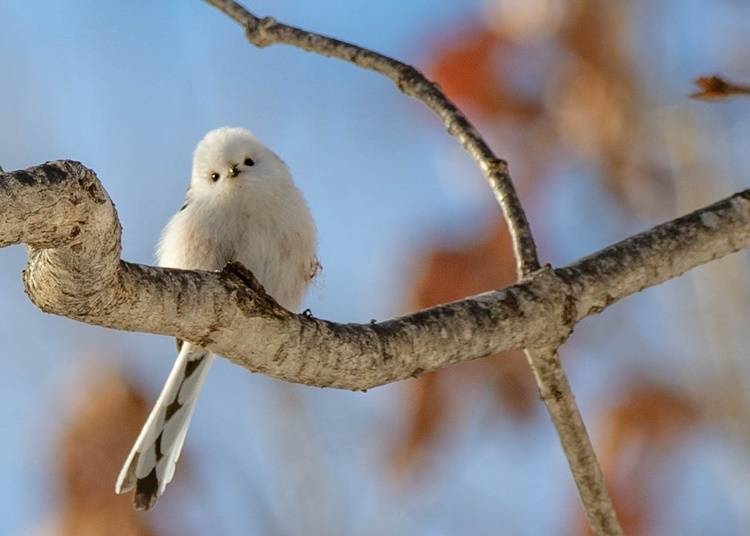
(587, 99)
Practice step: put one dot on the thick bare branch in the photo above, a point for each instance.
(62, 211)
(267, 31)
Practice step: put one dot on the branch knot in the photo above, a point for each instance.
(257, 31)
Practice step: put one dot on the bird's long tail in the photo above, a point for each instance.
(151, 462)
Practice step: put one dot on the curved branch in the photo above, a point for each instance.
(61, 210)
(267, 31)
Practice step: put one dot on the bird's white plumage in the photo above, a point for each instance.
(243, 206)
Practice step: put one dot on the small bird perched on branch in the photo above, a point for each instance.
(242, 206)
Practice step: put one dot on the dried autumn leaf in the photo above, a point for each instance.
(90, 453)
(717, 88)
(466, 67)
(427, 404)
(599, 104)
(446, 274)
(640, 435)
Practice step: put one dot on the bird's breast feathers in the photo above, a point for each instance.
(272, 235)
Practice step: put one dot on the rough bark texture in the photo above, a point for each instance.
(61, 210)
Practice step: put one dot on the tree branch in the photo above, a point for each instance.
(61, 210)
(266, 31)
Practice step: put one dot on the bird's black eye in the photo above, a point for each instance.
(249, 162)
(215, 176)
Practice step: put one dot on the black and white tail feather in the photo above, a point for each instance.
(243, 206)
(151, 463)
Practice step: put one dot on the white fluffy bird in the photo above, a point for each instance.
(243, 206)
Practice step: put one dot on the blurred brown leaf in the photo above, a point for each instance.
(447, 274)
(600, 105)
(717, 88)
(589, 100)
(465, 67)
(640, 434)
(92, 449)
(426, 402)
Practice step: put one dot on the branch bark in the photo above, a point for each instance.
(61, 210)
(266, 31)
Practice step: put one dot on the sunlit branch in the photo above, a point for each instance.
(267, 31)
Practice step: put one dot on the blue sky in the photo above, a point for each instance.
(129, 89)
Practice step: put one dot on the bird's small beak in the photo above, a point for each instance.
(234, 170)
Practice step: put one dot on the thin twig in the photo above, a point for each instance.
(266, 31)
(561, 406)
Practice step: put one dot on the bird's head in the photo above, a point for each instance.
(229, 160)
